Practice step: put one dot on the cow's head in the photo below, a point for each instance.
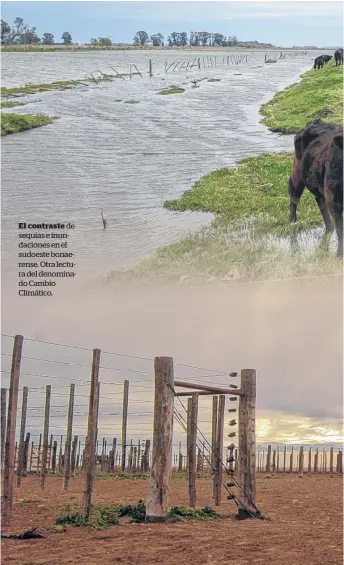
(338, 141)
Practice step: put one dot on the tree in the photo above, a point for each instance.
(48, 39)
(157, 40)
(183, 38)
(218, 39)
(141, 38)
(203, 37)
(66, 37)
(5, 32)
(29, 36)
(234, 40)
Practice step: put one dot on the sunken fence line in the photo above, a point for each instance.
(70, 454)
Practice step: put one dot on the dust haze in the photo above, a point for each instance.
(290, 332)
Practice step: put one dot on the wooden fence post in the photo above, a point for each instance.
(158, 495)
(3, 425)
(22, 435)
(310, 460)
(53, 460)
(146, 456)
(301, 459)
(247, 443)
(331, 461)
(91, 434)
(45, 435)
(8, 477)
(73, 455)
(291, 462)
(26, 454)
(219, 449)
(268, 460)
(150, 68)
(191, 446)
(68, 443)
(124, 423)
(213, 438)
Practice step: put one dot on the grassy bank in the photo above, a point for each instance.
(318, 95)
(251, 207)
(14, 123)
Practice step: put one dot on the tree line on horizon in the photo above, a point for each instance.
(21, 34)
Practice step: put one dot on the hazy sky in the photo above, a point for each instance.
(281, 23)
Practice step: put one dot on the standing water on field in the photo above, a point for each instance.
(129, 158)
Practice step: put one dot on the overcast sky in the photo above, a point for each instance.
(281, 23)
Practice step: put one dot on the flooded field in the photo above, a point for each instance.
(129, 158)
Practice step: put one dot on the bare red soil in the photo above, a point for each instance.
(305, 526)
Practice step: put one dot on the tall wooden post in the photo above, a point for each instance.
(53, 460)
(45, 435)
(8, 477)
(124, 423)
(68, 443)
(150, 68)
(301, 461)
(3, 425)
(73, 455)
(219, 449)
(159, 489)
(247, 443)
(91, 434)
(331, 461)
(268, 460)
(26, 454)
(191, 446)
(22, 435)
(213, 438)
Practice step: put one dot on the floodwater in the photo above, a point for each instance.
(129, 158)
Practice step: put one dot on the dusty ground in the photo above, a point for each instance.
(305, 526)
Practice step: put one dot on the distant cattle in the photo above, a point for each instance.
(319, 62)
(326, 58)
(338, 56)
(318, 165)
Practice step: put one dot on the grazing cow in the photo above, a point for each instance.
(319, 62)
(338, 56)
(326, 58)
(318, 165)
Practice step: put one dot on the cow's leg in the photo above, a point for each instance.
(337, 214)
(296, 187)
(323, 207)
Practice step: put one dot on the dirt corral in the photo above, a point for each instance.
(305, 526)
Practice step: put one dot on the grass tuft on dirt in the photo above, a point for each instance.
(318, 95)
(14, 123)
(214, 80)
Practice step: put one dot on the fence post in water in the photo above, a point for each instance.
(3, 425)
(124, 423)
(91, 434)
(199, 63)
(45, 435)
(8, 476)
(159, 490)
(150, 68)
(21, 436)
(191, 446)
(68, 443)
(247, 441)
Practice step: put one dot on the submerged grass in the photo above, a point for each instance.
(318, 95)
(57, 85)
(14, 123)
(172, 90)
(11, 104)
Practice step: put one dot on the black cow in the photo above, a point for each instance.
(318, 165)
(326, 58)
(319, 62)
(338, 56)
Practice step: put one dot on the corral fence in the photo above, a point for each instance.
(66, 411)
